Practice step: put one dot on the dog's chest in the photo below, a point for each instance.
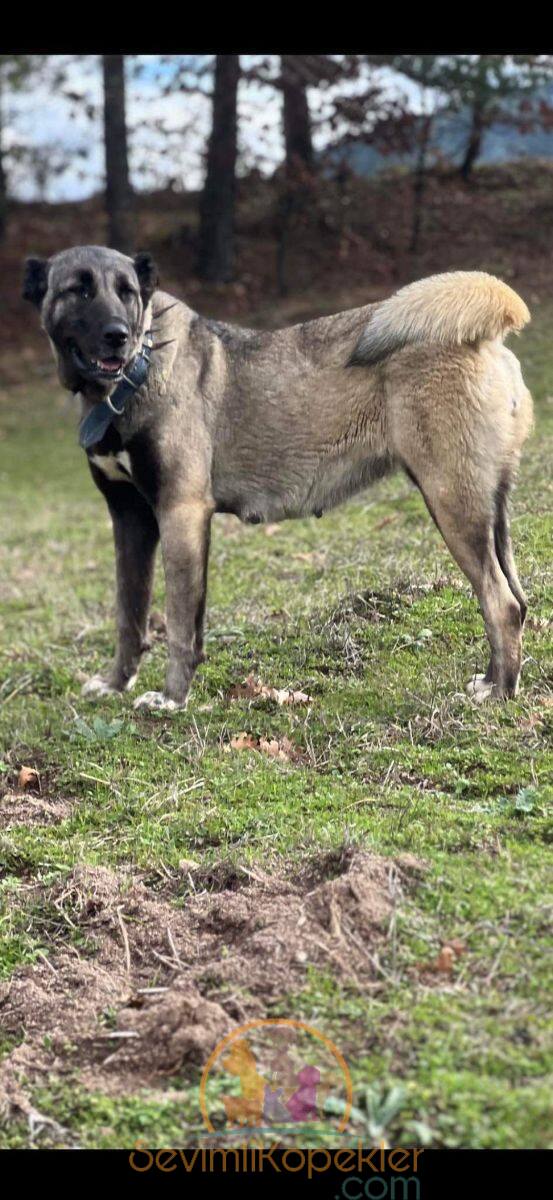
(132, 463)
(115, 465)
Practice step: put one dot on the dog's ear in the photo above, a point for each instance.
(147, 275)
(35, 280)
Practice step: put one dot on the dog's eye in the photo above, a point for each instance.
(82, 290)
(125, 289)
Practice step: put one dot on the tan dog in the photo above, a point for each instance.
(288, 424)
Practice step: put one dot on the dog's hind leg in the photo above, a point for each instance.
(136, 534)
(469, 532)
(505, 557)
(503, 544)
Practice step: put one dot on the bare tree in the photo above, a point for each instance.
(216, 236)
(15, 72)
(295, 112)
(118, 189)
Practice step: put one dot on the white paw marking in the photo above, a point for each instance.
(479, 689)
(158, 701)
(96, 686)
(117, 467)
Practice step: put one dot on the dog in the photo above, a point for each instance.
(272, 425)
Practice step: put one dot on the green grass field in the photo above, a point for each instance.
(366, 612)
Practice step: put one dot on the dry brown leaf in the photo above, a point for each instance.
(295, 698)
(27, 778)
(242, 741)
(246, 690)
(443, 963)
(252, 688)
(281, 748)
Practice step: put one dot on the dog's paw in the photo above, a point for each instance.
(96, 687)
(480, 689)
(158, 701)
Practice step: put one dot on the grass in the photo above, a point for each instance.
(366, 612)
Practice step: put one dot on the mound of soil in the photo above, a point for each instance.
(21, 808)
(169, 974)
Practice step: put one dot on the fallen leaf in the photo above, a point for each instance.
(286, 696)
(253, 688)
(27, 778)
(282, 748)
(270, 530)
(278, 749)
(444, 961)
(242, 741)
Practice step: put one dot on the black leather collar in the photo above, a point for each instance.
(94, 425)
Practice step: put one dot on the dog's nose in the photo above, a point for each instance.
(116, 334)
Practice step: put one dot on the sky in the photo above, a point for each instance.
(63, 157)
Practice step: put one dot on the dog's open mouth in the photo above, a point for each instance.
(96, 368)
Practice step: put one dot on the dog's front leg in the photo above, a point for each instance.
(135, 534)
(184, 530)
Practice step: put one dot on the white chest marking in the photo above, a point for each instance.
(116, 466)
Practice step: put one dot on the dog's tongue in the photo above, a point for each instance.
(110, 364)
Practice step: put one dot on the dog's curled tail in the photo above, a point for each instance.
(460, 307)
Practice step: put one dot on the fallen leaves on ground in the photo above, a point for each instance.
(444, 962)
(252, 689)
(281, 748)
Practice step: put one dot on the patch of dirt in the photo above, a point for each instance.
(24, 808)
(172, 974)
(28, 795)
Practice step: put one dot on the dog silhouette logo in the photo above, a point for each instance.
(275, 1073)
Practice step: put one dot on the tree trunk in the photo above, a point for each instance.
(297, 124)
(419, 186)
(2, 197)
(118, 190)
(298, 162)
(474, 145)
(216, 235)
(3, 179)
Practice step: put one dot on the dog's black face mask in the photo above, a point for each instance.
(92, 303)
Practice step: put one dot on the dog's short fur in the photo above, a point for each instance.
(288, 424)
